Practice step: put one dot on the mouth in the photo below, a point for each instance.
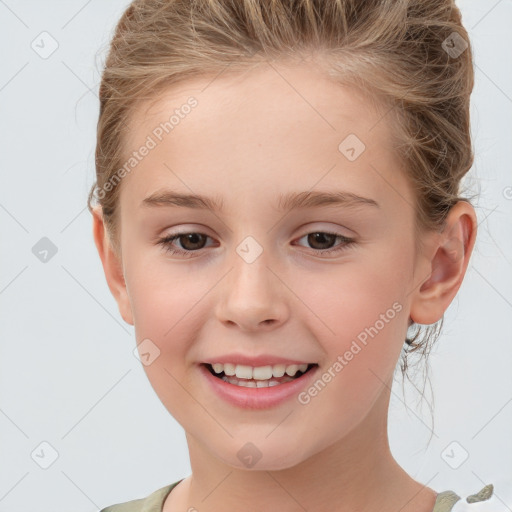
(292, 373)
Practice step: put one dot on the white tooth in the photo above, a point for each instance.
(218, 367)
(278, 370)
(243, 372)
(258, 384)
(229, 369)
(258, 373)
(291, 370)
(262, 372)
(245, 383)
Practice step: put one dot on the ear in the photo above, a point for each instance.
(445, 269)
(112, 266)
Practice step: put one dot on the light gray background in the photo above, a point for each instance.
(68, 374)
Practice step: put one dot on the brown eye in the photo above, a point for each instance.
(321, 240)
(192, 241)
(324, 242)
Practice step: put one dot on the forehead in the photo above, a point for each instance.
(261, 126)
(276, 92)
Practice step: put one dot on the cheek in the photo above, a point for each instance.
(160, 291)
(359, 311)
(352, 295)
(166, 304)
(362, 333)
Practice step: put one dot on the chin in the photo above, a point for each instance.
(264, 459)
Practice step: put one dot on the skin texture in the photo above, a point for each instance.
(254, 135)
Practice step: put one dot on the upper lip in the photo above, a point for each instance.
(261, 360)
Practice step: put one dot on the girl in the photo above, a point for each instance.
(277, 205)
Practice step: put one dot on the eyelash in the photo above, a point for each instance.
(167, 241)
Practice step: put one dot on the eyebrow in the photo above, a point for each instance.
(290, 201)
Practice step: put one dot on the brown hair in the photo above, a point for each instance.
(412, 57)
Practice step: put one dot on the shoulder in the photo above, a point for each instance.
(152, 503)
(481, 501)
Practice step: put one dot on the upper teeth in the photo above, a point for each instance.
(259, 372)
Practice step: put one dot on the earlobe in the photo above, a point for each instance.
(451, 250)
(112, 266)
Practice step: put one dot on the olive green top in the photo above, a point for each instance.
(447, 501)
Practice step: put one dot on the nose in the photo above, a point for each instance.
(252, 296)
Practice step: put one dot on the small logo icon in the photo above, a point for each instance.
(351, 147)
(249, 250)
(44, 455)
(455, 455)
(454, 45)
(249, 455)
(44, 250)
(146, 352)
(44, 45)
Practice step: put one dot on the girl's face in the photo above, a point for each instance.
(256, 280)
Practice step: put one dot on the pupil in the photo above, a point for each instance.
(190, 237)
(313, 238)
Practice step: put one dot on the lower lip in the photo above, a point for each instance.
(257, 398)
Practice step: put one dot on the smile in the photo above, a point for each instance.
(258, 377)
